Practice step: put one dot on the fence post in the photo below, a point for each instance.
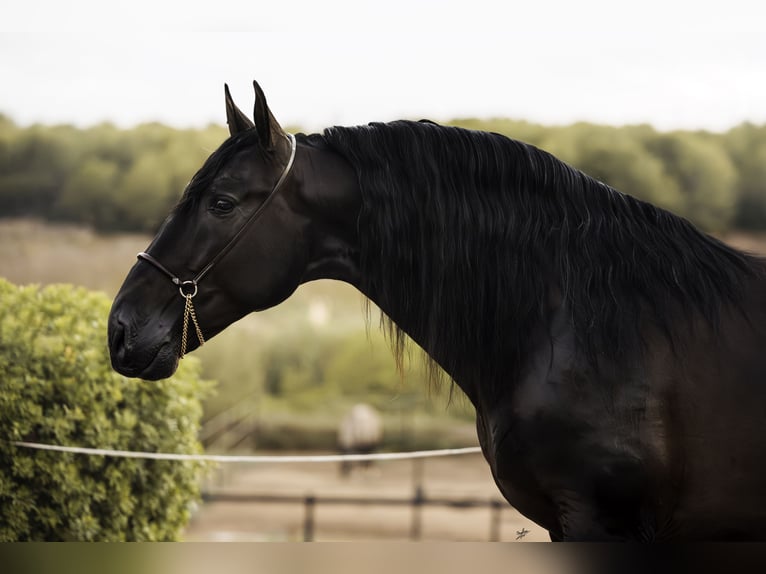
(308, 519)
(417, 510)
(494, 521)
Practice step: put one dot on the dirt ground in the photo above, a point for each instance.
(455, 478)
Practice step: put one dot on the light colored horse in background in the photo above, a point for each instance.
(360, 432)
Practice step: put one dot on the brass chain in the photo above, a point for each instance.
(189, 312)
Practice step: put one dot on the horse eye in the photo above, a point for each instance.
(221, 205)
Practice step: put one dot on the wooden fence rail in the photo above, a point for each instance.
(416, 502)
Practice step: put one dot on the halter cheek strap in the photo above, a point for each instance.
(188, 288)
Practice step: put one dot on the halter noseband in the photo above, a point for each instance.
(188, 288)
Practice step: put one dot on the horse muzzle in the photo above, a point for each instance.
(134, 357)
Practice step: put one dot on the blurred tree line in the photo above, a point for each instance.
(105, 177)
(128, 179)
(717, 180)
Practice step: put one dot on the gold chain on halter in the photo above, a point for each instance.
(189, 312)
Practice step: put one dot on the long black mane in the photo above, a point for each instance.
(468, 234)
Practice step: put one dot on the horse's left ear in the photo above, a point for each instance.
(267, 126)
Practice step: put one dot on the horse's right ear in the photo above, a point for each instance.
(238, 122)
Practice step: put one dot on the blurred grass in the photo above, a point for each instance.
(32, 251)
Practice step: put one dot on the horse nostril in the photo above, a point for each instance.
(119, 340)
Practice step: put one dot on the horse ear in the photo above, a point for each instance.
(265, 123)
(238, 122)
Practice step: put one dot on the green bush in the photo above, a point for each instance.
(57, 387)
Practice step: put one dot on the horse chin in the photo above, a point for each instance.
(162, 366)
(158, 372)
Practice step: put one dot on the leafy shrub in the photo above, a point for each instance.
(57, 387)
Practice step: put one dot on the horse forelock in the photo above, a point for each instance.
(464, 233)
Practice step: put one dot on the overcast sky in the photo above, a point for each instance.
(674, 64)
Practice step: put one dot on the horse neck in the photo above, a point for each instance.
(330, 190)
(546, 229)
(330, 194)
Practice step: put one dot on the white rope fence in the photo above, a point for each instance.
(251, 459)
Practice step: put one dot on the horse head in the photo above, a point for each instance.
(257, 220)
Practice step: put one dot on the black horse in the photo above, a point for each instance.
(613, 352)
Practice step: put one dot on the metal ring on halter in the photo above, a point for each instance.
(181, 288)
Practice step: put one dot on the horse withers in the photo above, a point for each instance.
(612, 351)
